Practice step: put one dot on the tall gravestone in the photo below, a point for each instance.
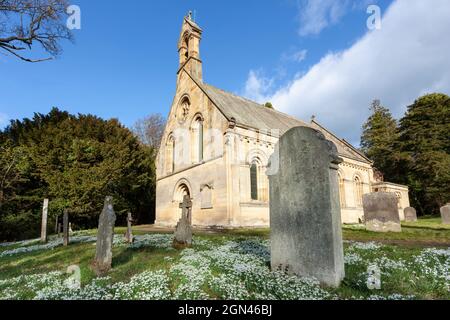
(381, 212)
(129, 234)
(410, 214)
(183, 232)
(105, 237)
(44, 221)
(56, 224)
(445, 214)
(66, 227)
(305, 218)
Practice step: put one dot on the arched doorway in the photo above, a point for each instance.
(182, 189)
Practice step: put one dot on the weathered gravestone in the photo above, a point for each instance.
(70, 228)
(44, 221)
(129, 234)
(410, 214)
(59, 229)
(57, 225)
(66, 227)
(381, 212)
(183, 232)
(445, 214)
(305, 218)
(105, 237)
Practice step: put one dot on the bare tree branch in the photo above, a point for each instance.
(26, 22)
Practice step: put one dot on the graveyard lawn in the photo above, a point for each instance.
(226, 265)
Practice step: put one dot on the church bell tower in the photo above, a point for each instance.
(189, 48)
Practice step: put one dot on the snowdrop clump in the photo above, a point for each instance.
(57, 242)
(226, 269)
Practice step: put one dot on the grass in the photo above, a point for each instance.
(402, 247)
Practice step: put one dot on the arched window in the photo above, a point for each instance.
(170, 155)
(358, 191)
(342, 191)
(254, 181)
(200, 141)
(197, 139)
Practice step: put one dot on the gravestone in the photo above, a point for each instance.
(44, 221)
(305, 218)
(70, 228)
(410, 214)
(183, 232)
(129, 234)
(105, 238)
(57, 225)
(66, 227)
(59, 229)
(445, 214)
(381, 212)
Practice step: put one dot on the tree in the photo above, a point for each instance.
(268, 105)
(379, 138)
(76, 161)
(425, 150)
(24, 23)
(150, 130)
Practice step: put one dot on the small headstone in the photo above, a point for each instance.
(105, 237)
(44, 221)
(66, 227)
(305, 218)
(129, 234)
(57, 225)
(381, 212)
(410, 214)
(445, 214)
(59, 229)
(183, 232)
(70, 228)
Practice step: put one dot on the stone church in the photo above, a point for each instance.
(216, 147)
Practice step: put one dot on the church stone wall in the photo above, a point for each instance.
(205, 180)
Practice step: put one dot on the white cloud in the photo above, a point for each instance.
(257, 86)
(297, 56)
(317, 15)
(408, 57)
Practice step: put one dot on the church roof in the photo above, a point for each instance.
(250, 114)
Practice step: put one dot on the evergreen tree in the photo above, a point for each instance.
(425, 149)
(75, 161)
(379, 138)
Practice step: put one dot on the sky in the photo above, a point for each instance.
(307, 57)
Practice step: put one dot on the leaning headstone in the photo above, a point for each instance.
(305, 218)
(44, 221)
(445, 214)
(129, 234)
(66, 227)
(183, 232)
(105, 237)
(410, 214)
(381, 212)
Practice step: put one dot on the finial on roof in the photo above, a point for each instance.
(313, 117)
(190, 15)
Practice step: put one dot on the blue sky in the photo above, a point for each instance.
(124, 61)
